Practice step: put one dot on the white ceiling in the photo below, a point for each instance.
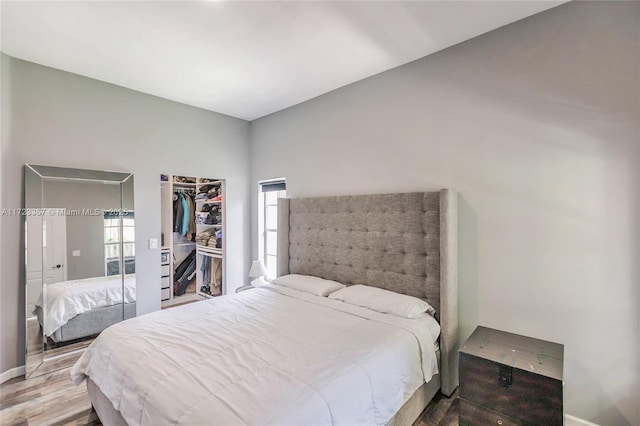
(244, 59)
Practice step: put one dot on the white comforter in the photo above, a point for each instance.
(265, 356)
(65, 300)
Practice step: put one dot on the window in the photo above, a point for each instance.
(112, 242)
(270, 191)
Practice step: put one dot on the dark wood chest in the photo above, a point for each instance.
(508, 379)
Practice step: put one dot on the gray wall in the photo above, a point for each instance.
(84, 232)
(61, 119)
(536, 124)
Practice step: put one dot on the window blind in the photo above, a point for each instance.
(276, 185)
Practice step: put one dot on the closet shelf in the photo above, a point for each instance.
(209, 201)
(214, 255)
(215, 182)
(184, 244)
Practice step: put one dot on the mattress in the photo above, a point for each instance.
(67, 299)
(267, 356)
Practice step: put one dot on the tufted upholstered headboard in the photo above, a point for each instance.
(404, 242)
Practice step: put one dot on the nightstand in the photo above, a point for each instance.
(244, 287)
(508, 379)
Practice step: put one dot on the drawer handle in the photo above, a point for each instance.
(499, 421)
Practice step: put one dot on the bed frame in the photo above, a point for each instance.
(91, 322)
(404, 242)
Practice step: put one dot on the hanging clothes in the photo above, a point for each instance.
(216, 276)
(184, 214)
(205, 268)
(184, 228)
(178, 212)
(192, 218)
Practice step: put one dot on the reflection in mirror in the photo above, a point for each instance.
(80, 260)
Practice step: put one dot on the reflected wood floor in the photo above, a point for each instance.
(53, 400)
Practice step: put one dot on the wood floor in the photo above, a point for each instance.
(53, 400)
(441, 411)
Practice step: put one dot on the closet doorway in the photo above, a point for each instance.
(193, 238)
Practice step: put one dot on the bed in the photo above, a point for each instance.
(281, 356)
(85, 307)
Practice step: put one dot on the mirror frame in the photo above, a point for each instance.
(34, 175)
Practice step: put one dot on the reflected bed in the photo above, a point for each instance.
(85, 307)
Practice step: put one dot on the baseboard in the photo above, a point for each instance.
(575, 421)
(11, 373)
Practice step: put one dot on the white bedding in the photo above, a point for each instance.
(67, 299)
(266, 356)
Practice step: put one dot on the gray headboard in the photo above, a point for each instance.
(403, 242)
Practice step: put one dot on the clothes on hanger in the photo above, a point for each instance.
(184, 228)
(184, 214)
(211, 270)
(178, 212)
(216, 276)
(205, 269)
(191, 230)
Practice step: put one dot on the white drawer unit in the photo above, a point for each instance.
(165, 274)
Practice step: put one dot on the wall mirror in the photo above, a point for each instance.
(79, 260)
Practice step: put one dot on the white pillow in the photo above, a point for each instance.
(308, 284)
(385, 301)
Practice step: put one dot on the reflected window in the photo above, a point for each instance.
(112, 240)
(270, 191)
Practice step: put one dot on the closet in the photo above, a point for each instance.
(193, 238)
